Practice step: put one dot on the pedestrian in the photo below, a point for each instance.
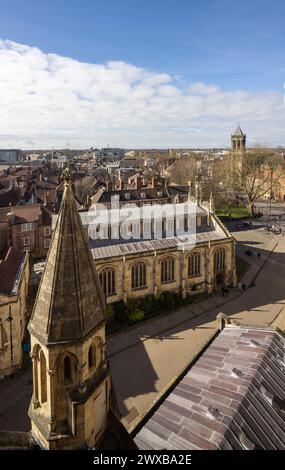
(239, 286)
(259, 255)
(243, 286)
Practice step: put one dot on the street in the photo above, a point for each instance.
(145, 359)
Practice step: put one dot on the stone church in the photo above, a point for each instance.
(73, 405)
(146, 265)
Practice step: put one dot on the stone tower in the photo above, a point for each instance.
(238, 141)
(71, 379)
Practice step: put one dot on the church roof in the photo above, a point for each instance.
(69, 304)
(230, 399)
(238, 132)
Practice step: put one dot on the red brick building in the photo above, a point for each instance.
(27, 227)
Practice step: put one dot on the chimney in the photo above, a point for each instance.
(10, 217)
(109, 185)
(88, 202)
(154, 182)
(46, 200)
(121, 184)
(138, 182)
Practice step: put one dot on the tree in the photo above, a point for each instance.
(184, 170)
(83, 188)
(256, 174)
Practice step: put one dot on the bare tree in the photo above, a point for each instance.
(256, 174)
(184, 170)
(83, 188)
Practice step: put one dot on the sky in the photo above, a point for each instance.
(139, 74)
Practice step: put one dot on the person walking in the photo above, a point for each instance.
(243, 286)
(259, 255)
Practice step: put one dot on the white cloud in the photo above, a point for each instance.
(47, 100)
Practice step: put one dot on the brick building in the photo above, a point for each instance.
(27, 227)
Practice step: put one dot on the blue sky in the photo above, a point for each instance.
(230, 44)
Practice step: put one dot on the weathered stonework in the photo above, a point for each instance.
(13, 311)
(71, 379)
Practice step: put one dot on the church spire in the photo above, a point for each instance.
(238, 131)
(71, 377)
(69, 303)
(238, 140)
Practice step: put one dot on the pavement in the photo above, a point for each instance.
(146, 359)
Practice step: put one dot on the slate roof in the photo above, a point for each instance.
(120, 249)
(10, 269)
(69, 303)
(238, 132)
(9, 197)
(151, 194)
(231, 398)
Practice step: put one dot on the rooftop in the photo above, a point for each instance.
(113, 248)
(144, 193)
(11, 269)
(238, 132)
(231, 398)
(26, 213)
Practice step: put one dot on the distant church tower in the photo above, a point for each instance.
(71, 379)
(238, 141)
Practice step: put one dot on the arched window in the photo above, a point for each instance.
(43, 372)
(91, 357)
(139, 276)
(108, 281)
(219, 260)
(167, 270)
(194, 265)
(67, 368)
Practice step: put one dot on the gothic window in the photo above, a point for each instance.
(139, 276)
(91, 357)
(108, 281)
(43, 372)
(67, 368)
(167, 270)
(219, 260)
(194, 265)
